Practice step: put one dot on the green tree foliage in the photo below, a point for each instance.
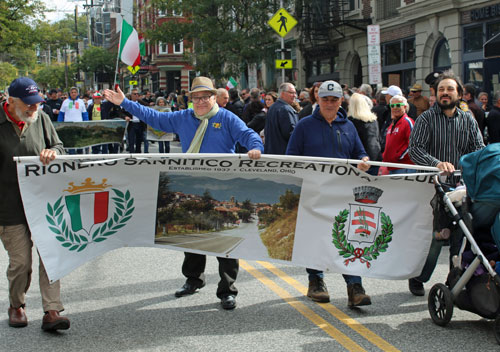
(17, 18)
(52, 76)
(7, 74)
(244, 215)
(227, 35)
(99, 61)
(289, 200)
(247, 204)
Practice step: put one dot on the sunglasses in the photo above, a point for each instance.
(397, 105)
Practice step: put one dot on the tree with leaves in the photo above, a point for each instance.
(99, 61)
(225, 35)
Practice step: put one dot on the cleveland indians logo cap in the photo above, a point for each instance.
(25, 89)
(330, 89)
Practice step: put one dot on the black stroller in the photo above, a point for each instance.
(473, 284)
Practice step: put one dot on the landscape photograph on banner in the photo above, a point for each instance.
(219, 214)
(90, 133)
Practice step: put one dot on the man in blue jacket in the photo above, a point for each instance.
(204, 129)
(328, 133)
(280, 121)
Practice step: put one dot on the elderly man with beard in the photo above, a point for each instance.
(204, 129)
(441, 136)
(25, 130)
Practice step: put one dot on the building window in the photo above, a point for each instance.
(474, 73)
(473, 39)
(492, 30)
(161, 13)
(162, 48)
(392, 53)
(387, 8)
(352, 5)
(442, 57)
(179, 48)
(409, 50)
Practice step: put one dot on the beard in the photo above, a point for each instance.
(27, 117)
(452, 104)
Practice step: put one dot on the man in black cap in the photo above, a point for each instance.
(25, 130)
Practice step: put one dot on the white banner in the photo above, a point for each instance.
(295, 210)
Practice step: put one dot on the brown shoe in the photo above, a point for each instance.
(357, 296)
(53, 321)
(17, 317)
(317, 291)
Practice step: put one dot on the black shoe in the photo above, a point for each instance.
(187, 289)
(228, 302)
(416, 287)
(317, 291)
(356, 296)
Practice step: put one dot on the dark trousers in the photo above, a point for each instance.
(135, 131)
(193, 269)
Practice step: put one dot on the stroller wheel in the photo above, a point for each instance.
(440, 304)
(497, 329)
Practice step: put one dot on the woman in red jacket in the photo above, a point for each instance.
(398, 135)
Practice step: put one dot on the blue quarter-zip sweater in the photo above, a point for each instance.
(223, 131)
(313, 136)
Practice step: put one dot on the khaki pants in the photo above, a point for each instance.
(17, 242)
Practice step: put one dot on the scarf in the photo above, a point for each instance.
(195, 145)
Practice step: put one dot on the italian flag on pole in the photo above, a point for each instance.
(129, 45)
(231, 83)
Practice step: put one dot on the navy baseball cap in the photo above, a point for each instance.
(25, 89)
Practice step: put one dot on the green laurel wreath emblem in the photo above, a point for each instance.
(124, 207)
(366, 254)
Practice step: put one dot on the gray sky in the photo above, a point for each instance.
(61, 8)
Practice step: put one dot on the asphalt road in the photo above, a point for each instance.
(124, 301)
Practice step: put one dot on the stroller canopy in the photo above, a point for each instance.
(481, 173)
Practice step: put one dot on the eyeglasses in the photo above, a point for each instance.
(203, 98)
(292, 92)
(396, 105)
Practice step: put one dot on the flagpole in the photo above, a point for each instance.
(118, 56)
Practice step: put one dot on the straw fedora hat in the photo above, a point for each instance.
(201, 84)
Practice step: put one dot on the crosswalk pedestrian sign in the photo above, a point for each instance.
(280, 64)
(282, 22)
(132, 83)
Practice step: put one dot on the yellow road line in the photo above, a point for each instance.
(336, 334)
(337, 313)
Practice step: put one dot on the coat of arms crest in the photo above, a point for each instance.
(363, 227)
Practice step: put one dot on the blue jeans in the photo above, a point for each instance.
(402, 171)
(135, 133)
(146, 142)
(349, 279)
(455, 241)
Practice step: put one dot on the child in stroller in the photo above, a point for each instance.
(472, 283)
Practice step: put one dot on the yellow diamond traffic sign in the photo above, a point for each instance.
(282, 22)
(284, 64)
(133, 70)
(132, 83)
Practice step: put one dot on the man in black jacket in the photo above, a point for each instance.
(493, 120)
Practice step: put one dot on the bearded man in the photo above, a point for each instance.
(25, 130)
(441, 136)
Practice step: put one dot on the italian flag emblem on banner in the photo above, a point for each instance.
(87, 210)
(129, 45)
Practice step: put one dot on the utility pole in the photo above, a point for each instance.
(77, 46)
